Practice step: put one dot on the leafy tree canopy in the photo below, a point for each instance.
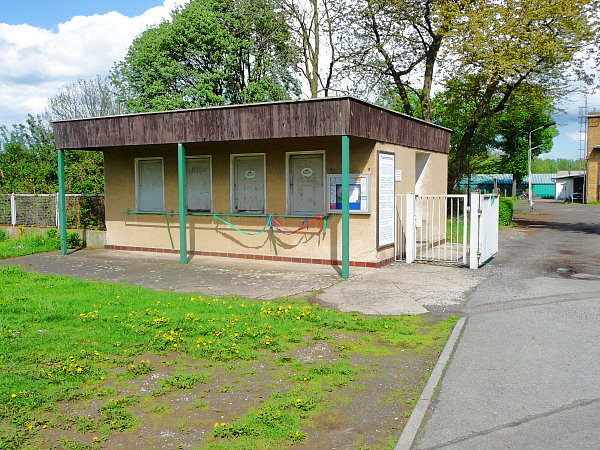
(528, 109)
(505, 133)
(28, 162)
(539, 165)
(211, 52)
(83, 98)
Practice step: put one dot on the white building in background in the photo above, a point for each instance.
(569, 185)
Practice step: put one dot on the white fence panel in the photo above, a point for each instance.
(431, 228)
(42, 210)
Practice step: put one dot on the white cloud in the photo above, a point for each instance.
(575, 136)
(35, 62)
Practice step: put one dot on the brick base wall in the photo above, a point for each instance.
(329, 262)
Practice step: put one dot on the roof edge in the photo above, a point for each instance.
(249, 105)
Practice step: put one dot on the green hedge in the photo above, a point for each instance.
(506, 211)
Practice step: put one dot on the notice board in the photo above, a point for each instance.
(358, 189)
(386, 199)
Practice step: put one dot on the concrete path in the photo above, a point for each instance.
(526, 371)
(396, 289)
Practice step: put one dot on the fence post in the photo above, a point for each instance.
(56, 212)
(474, 240)
(62, 206)
(410, 228)
(13, 210)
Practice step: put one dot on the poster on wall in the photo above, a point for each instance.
(358, 190)
(385, 200)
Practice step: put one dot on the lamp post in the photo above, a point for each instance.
(543, 127)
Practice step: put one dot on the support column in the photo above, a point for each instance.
(62, 204)
(182, 204)
(345, 206)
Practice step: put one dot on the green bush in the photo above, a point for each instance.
(73, 240)
(52, 233)
(3, 236)
(506, 212)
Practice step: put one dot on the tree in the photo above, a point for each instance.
(404, 46)
(453, 108)
(211, 52)
(83, 98)
(504, 134)
(539, 165)
(397, 46)
(312, 22)
(511, 43)
(529, 108)
(28, 158)
(84, 171)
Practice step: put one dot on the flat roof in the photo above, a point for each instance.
(330, 116)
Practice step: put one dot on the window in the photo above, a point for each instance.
(306, 193)
(149, 184)
(199, 184)
(248, 178)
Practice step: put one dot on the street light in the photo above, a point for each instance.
(543, 127)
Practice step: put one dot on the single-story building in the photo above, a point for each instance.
(542, 184)
(484, 182)
(570, 185)
(301, 181)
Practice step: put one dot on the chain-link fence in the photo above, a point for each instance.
(83, 210)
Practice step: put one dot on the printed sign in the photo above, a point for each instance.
(385, 200)
(359, 202)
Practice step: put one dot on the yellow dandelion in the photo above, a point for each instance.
(13, 395)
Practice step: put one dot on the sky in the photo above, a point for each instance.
(46, 45)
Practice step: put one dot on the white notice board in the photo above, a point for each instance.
(386, 225)
(359, 193)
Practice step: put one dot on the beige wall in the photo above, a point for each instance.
(209, 234)
(593, 140)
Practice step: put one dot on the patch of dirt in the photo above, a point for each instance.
(368, 413)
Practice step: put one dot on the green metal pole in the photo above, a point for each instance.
(182, 204)
(62, 204)
(345, 206)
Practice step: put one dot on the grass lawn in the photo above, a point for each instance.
(99, 365)
(27, 244)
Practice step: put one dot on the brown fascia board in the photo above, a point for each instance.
(332, 116)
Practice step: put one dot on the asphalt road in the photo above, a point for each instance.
(526, 371)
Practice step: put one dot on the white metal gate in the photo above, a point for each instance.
(484, 228)
(443, 229)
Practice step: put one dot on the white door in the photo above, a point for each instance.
(150, 185)
(249, 184)
(306, 194)
(198, 184)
